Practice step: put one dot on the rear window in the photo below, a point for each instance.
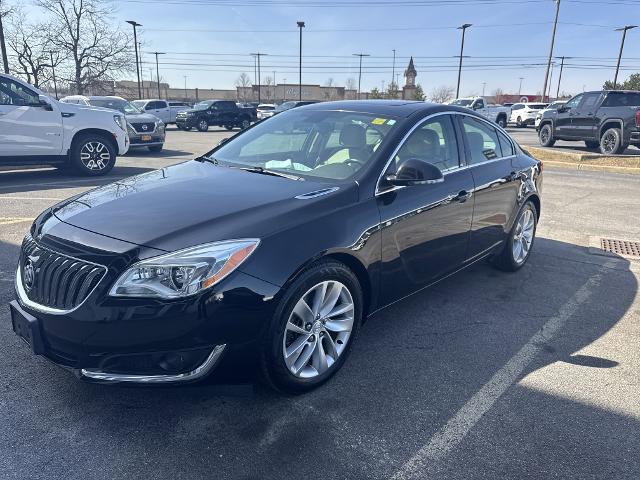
(537, 107)
(621, 99)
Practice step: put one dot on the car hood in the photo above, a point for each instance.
(197, 202)
(140, 117)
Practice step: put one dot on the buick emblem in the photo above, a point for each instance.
(145, 128)
(28, 275)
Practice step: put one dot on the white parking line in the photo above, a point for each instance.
(32, 198)
(466, 418)
(10, 221)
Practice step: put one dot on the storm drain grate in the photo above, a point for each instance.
(620, 247)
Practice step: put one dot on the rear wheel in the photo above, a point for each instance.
(245, 124)
(611, 142)
(313, 328)
(546, 136)
(203, 125)
(92, 154)
(517, 248)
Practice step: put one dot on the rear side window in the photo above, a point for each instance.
(620, 99)
(161, 104)
(482, 140)
(151, 106)
(226, 106)
(505, 145)
(589, 101)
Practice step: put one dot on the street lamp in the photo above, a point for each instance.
(464, 29)
(393, 74)
(360, 70)
(158, 71)
(258, 55)
(301, 25)
(135, 46)
(186, 97)
(520, 88)
(624, 34)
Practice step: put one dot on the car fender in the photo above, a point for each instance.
(606, 122)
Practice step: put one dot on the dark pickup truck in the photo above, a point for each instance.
(217, 113)
(608, 120)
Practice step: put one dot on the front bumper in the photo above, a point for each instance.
(188, 122)
(154, 138)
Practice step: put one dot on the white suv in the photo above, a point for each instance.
(523, 114)
(37, 129)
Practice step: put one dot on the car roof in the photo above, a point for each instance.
(104, 97)
(396, 108)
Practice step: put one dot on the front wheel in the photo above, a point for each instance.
(502, 122)
(313, 328)
(203, 125)
(92, 155)
(229, 127)
(245, 124)
(517, 247)
(519, 122)
(611, 142)
(546, 136)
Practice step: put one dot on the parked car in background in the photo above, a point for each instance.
(524, 114)
(552, 106)
(37, 129)
(496, 113)
(163, 109)
(292, 104)
(144, 129)
(218, 113)
(276, 244)
(608, 120)
(265, 110)
(251, 109)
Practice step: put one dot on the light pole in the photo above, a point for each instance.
(393, 74)
(560, 77)
(135, 46)
(624, 34)
(284, 90)
(464, 29)
(258, 55)
(553, 40)
(301, 25)
(274, 86)
(484, 85)
(53, 71)
(158, 71)
(185, 88)
(360, 70)
(520, 87)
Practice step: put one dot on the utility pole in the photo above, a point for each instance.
(274, 86)
(624, 34)
(53, 71)
(284, 90)
(393, 74)
(550, 81)
(560, 77)
(135, 46)
(258, 55)
(3, 47)
(158, 71)
(464, 29)
(301, 25)
(484, 85)
(185, 88)
(553, 40)
(360, 70)
(520, 87)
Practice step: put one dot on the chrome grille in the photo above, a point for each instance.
(56, 280)
(140, 127)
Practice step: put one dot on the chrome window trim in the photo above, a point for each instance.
(449, 170)
(25, 301)
(195, 374)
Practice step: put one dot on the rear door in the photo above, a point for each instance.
(489, 154)
(584, 121)
(160, 109)
(26, 127)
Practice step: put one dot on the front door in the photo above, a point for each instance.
(489, 155)
(584, 121)
(26, 127)
(425, 228)
(564, 117)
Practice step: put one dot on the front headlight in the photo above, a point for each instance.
(120, 121)
(185, 272)
(159, 124)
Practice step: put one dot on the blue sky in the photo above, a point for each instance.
(518, 31)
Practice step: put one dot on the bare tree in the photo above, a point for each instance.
(95, 49)
(351, 84)
(243, 82)
(329, 83)
(498, 95)
(442, 94)
(269, 87)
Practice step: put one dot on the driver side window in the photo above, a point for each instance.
(573, 103)
(434, 142)
(13, 93)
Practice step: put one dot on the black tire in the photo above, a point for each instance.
(275, 372)
(178, 127)
(505, 260)
(203, 125)
(545, 135)
(591, 143)
(229, 127)
(245, 123)
(611, 142)
(502, 121)
(155, 148)
(519, 122)
(186, 129)
(92, 154)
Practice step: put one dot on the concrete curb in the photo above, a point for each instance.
(586, 161)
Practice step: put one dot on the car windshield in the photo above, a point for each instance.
(285, 106)
(202, 105)
(462, 102)
(325, 145)
(556, 104)
(115, 104)
(139, 104)
(266, 107)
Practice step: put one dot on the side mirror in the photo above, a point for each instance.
(415, 172)
(562, 109)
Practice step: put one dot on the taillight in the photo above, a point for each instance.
(540, 165)
(638, 118)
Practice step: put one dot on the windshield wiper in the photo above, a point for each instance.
(204, 158)
(264, 171)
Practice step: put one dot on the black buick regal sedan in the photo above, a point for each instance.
(282, 240)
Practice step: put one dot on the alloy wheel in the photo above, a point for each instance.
(523, 236)
(609, 142)
(544, 134)
(95, 155)
(318, 329)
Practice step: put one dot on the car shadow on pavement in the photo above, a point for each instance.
(414, 365)
(165, 152)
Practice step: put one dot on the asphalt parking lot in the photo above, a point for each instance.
(486, 375)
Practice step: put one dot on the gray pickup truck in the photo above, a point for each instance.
(608, 120)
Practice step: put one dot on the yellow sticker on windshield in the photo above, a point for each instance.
(378, 121)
